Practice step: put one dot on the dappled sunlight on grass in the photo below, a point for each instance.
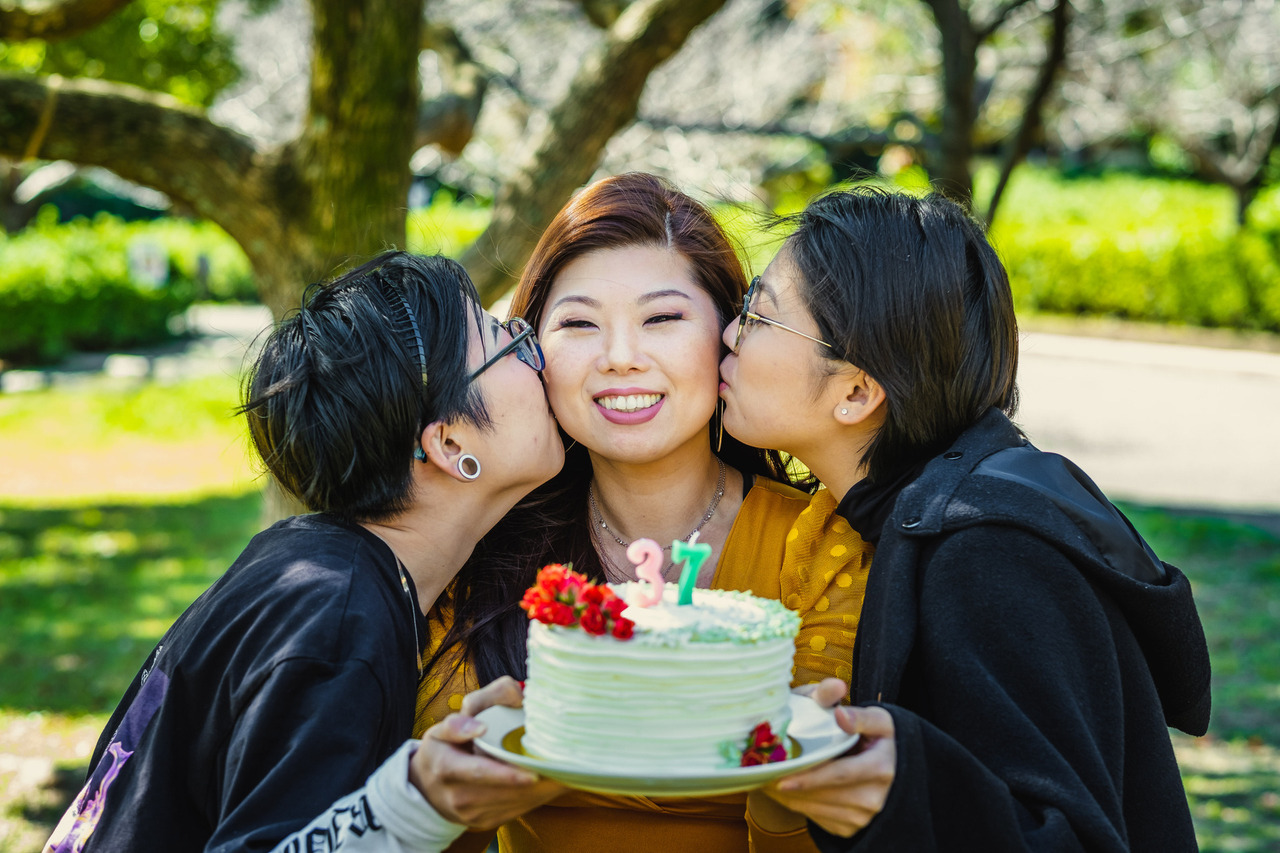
(1234, 791)
(1234, 570)
(83, 609)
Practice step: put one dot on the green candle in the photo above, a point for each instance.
(694, 555)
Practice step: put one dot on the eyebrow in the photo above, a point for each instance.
(764, 290)
(654, 295)
(644, 299)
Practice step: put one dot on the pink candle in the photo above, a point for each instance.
(646, 555)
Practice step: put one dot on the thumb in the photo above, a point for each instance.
(456, 728)
(829, 692)
(872, 721)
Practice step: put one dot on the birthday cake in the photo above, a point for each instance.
(626, 678)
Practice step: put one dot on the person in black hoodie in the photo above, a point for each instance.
(276, 712)
(1021, 651)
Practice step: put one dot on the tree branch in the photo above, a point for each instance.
(601, 101)
(998, 17)
(148, 138)
(449, 120)
(1020, 143)
(56, 21)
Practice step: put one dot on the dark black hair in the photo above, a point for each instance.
(909, 289)
(339, 394)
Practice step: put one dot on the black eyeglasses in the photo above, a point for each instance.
(749, 317)
(523, 342)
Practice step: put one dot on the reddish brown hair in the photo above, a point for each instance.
(635, 209)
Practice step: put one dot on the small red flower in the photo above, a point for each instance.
(561, 613)
(622, 628)
(551, 575)
(763, 747)
(592, 620)
(593, 594)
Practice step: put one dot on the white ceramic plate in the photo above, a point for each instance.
(813, 734)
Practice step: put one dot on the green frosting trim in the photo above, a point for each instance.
(777, 623)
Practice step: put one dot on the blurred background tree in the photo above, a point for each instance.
(308, 129)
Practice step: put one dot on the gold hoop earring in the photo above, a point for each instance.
(720, 427)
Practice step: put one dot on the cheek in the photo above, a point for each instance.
(703, 357)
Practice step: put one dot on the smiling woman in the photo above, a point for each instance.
(629, 290)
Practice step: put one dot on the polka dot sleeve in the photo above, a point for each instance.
(441, 690)
(824, 578)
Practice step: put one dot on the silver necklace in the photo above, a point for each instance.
(598, 519)
(413, 617)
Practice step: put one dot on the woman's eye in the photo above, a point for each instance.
(665, 318)
(574, 324)
(751, 322)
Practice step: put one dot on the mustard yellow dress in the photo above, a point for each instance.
(822, 577)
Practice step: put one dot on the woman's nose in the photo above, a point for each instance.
(730, 335)
(623, 351)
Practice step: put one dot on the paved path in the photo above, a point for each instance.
(1158, 423)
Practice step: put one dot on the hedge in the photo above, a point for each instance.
(1141, 249)
(70, 286)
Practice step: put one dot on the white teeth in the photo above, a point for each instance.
(630, 403)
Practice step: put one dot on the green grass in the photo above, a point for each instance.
(1235, 573)
(86, 592)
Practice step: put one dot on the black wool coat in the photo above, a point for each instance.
(1033, 651)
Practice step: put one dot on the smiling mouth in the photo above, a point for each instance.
(629, 403)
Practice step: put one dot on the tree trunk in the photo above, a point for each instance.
(959, 43)
(601, 101)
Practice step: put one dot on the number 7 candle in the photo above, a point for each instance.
(694, 554)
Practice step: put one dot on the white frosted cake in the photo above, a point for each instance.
(683, 692)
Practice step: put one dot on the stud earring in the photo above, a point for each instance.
(468, 466)
(420, 454)
(844, 411)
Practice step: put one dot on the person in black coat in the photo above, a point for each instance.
(277, 711)
(1021, 651)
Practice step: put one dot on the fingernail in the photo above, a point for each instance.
(788, 785)
(472, 727)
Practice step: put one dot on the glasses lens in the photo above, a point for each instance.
(526, 342)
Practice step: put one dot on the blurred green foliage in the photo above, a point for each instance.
(167, 47)
(70, 286)
(1140, 248)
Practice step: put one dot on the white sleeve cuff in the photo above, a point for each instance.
(405, 813)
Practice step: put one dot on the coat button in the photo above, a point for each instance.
(913, 521)
(952, 454)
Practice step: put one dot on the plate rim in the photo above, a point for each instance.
(500, 720)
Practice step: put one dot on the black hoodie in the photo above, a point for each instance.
(1032, 651)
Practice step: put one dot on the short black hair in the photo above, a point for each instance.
(909, 289)
(341, 390)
